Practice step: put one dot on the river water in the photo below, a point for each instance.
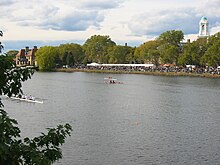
(147, 120)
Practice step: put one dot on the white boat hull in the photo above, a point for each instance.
(27, 100)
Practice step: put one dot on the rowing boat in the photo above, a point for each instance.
(28, 100)
(110, 80)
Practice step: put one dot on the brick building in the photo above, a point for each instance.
(26, 57)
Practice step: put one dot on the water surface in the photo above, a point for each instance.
(146, 120)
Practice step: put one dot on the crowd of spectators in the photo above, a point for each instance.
(176, 69)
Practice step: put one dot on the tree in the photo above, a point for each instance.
(202, 44)
(138, 56)
(169, 53)
(71, 54)
(211, 56)
(119, 54)
(46, 57)
(96, 48)
(172, 37)
(154, 56)
(170, 45)
(1, 47)
(191, 54)
(148, 52)
(12, 53)
(44, 149)
(130, 57)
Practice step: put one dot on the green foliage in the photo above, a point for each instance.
(148, 52)
(138, 57)
(12, 53)
(13, 150)
(96, 48)
(119, 54)
(154, 56)
(191, 54)
(167, 48)
(172, 37)
(11, 77)
(46, 57)
(39, 150)
(211, 55)
(71, 54)
(169, 53)
(170, 46)
(130, 56)
(49, 57)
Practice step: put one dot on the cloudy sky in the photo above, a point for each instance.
(51, 22)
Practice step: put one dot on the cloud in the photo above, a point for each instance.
(6, 2)
(77, 21)
(210, 8)
(157, 23)
(215, 29)
(5, 6)
(185, 19)
(100, 4)
(118, 18)
(60, 16)
(55, 19)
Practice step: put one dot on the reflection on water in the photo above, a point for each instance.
(146, 120)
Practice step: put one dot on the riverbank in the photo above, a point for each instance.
(156, 73)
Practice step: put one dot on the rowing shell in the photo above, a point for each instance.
(28, 100)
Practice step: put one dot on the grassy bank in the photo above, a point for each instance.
(140, 72)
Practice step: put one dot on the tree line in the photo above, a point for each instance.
(167, 48)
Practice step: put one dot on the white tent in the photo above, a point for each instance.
(94, 64)
(190, 66)
(130, 65)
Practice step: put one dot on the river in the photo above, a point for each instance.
(147, 120)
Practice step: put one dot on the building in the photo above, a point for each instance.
(203, 31)
(203, 28)
(26, 57)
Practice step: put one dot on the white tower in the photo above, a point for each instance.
(203, 27)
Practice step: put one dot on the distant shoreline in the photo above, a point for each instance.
(156, 73)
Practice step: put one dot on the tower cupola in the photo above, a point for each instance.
(203, 27)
